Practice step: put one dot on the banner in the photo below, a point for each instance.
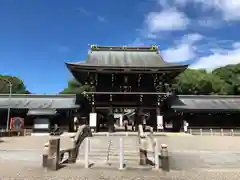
(16, 123)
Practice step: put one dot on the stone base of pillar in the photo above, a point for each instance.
(160, 130)
(93, 129)
(111, 128)
(53, 154)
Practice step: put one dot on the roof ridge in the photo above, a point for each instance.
(152, 48)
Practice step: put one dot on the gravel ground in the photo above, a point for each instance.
(22, 170)
(188, 152)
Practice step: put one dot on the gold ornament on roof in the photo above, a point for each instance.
(124, 47)
(94, 46)
(154, 47)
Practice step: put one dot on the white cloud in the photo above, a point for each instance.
(219, 58)
(236, 45)
(84, 12)
(192, 38)
(166, 20)
(101, 19)
(137, 42)
(209, 22)
(208, 53)
(228, 8)
(179, 53)
(88, 13)
(183, 51)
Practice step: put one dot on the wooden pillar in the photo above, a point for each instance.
(137, 118)
(110, 120)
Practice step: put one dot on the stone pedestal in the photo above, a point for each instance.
(53, 154)
(45, 156)
(164, 158)
(143, 157)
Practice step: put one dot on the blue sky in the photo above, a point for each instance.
(37, 37)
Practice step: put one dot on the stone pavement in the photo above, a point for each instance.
(105, 151)
(17, 170)
(187, 153)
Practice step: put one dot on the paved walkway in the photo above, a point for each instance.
(17, 170)
(186, 153)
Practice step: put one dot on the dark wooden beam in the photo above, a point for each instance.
(129, 93)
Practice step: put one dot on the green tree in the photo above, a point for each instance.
(74, 87)
(231, 75)
(200, 82)
(18, 86)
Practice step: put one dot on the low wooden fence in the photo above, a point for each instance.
(24, 132)
(214, 131)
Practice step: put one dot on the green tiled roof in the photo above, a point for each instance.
(31, 101)
(128, 57)
(201, 102)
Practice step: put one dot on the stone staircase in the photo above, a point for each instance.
(104, 151)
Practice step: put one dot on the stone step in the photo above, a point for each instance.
(129, 162)
(115, 148)
(113, 154)
(112, 145)
(116, 141)
(111, 158)
(111, 149)
(102, 155)
(110, 164)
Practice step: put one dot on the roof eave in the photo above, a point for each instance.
(84, 66)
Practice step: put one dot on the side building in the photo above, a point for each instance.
(40, 112)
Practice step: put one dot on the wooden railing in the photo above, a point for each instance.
(213, 131)
(24, 132)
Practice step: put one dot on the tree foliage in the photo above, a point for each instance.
(201, 82)
(231, 75)
(224, 80)
(74, 87)
(18, 86)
